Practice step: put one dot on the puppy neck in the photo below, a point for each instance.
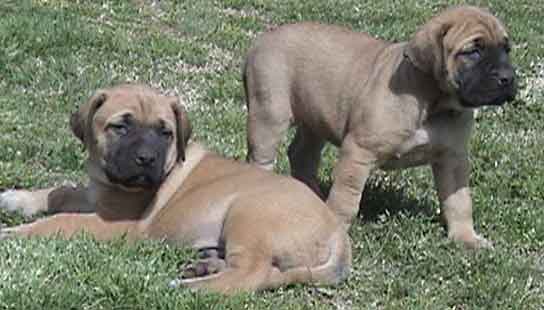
(440, 96)
(408, 79)
(194, 154)
(113, 203)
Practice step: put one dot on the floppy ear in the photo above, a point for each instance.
(183, 127)
(81, 120)
(426, 49)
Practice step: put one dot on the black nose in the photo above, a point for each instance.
(505, 77)
(145, 158)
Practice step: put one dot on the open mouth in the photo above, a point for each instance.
(139, 180)
(135, 181)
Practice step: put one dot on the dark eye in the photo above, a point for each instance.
(167, 133)
(507, 48)
(473, 54)
(118, 129)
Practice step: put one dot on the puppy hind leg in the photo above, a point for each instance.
(249, 274)
(304, 158)
(269, 117)
(263, 140)
(350, 174)
(331, 272)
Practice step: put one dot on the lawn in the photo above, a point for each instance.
(53, 54)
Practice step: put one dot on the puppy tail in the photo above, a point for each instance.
(333, 271)
(338, 266)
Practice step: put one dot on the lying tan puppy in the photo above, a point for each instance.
(385, 105)
(255, 229)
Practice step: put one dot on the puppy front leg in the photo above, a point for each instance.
(66, 198)
(451, 176)
(28, 203)
(350, 175)
(68, 224)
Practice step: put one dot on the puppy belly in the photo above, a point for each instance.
(417, 157)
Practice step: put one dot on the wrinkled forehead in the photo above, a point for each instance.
(478, 26)
(146, 108)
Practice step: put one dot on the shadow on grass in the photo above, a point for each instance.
(378, 199)
(384, 199)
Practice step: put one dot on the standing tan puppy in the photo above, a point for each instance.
(255, 230)
(385, 105)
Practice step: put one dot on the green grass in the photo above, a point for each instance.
(53, 54)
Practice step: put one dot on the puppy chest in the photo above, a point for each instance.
(416, 151)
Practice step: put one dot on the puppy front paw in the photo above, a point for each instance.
(18, 201)
(14, 200)
(480, 242)
(472, 241)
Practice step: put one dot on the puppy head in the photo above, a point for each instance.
(466, 50)
(133, 135)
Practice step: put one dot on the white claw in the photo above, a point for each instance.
(174, 283)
